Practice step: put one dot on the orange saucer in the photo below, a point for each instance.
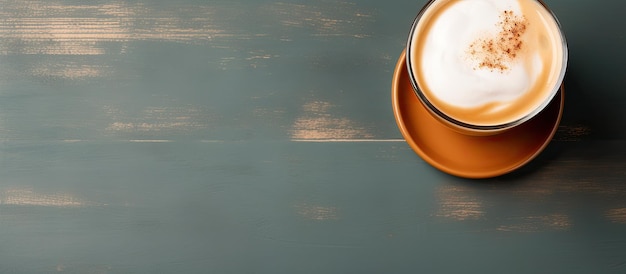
(464, 155)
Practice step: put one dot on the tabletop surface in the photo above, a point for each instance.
(240, 136)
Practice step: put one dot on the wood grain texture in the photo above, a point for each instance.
(258, 137)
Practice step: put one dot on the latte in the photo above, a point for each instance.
(486, 64)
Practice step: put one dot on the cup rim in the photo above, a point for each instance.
(483, 128)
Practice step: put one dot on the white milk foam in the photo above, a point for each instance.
(457, 78)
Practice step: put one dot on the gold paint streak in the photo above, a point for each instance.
(324, 128)
(317, 106)
(71, 71)
(317, 123)
(150, 141)
(538, 223)
(316, 212)
(156, 119)
(457, 203)
(118, 126)
(28, 197)
(617, 215)
(341, 19)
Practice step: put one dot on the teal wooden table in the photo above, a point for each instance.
(258, 137)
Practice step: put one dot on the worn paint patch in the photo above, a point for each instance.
(457, 204)
(319, 120)
(537, 223)
(29, 197)
(617, 215)
(317, 212)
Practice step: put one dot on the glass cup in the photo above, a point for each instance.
(424, 20)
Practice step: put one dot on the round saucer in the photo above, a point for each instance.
(463, 155)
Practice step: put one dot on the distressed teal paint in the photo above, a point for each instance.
(258, 137)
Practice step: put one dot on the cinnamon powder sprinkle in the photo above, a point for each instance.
(495, 52)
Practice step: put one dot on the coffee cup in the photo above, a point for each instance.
(483, 67)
